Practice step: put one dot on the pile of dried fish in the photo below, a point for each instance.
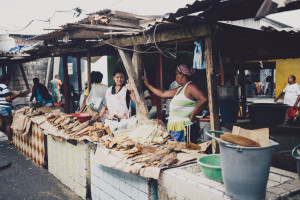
(75, 129)
(143, 154)
(31, 112)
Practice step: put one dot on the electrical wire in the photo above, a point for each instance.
(173, 56)
(123, 48)
(77, 10)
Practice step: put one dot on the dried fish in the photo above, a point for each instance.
(81, 126)
(168, 159)
(160, 154)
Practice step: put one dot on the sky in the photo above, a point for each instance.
(16, 14)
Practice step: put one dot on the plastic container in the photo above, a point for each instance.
(229, 110)
(267, 113)
(204, 126)
(58, 104)
(297, 157)
(246, 170)
(211, 168)
(82, 117)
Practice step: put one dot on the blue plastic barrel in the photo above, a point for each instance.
(229, 110)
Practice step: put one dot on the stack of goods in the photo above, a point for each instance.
(75, 129)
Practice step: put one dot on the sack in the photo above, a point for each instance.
(178, 135)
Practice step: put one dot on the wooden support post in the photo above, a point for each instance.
(222, 73)
(272, 83)
(24, 76)
(142, 110)
(89, 71)
(243, 87)
(137, 63)
(48, 71)
(3, 70)
(212, 84)
(211, 67)
(159, 84)
(79, 74)
(66, 84)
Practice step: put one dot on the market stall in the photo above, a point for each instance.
(43, 137)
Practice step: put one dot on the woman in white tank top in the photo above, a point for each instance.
(187, 100)
(118, 97)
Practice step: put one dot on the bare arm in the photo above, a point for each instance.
(83, 104)
(102, 111)
(158, 92)
(201, 98)
(297, 101)
(280, 95)
(14, 95)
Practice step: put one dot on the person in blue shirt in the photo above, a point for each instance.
(41, 94)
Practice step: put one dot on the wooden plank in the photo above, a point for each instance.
(78, 59)
(66, 84)
(142, 110)
(88, 57)
(159, 84)
(102, 27)
(212, 88)
(24, 77)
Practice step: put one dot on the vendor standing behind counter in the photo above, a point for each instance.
(118, 97)
(93, 100)
(187, 101)
(41, 94)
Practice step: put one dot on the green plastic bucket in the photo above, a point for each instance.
(211, 167)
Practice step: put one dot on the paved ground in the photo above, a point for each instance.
(25, 180)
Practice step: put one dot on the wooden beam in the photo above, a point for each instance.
(142, 110)
(66, 84)
(213, 103)
(78, 59)
(24, 77)
(165, 36)
(88, 58)
(159, 84)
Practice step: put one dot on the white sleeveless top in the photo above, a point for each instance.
(116, 103)
(181, 107)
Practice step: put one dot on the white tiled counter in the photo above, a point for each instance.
(112, 184)
(70, 163)
(188, 183)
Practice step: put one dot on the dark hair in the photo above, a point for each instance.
(4, 78)
(36, 80)
(118, 71)
(96, 77)
(293, 78)
(56, 75)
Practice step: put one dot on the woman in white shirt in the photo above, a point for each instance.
(291, 96)
(118, 97)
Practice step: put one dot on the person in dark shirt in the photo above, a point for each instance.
(41, 94)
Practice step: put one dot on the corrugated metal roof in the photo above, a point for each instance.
(102, 24)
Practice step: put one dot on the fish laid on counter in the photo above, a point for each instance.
(160, 154)
(168, 160)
